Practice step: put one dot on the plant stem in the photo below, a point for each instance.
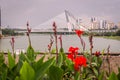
(108, 61)
(83, 43)
(91, 43)
(29, 40)
(55, 34)
(13, 50)
(56, 48)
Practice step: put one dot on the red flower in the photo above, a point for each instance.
(79, 61)
(73, 53)
(73, 50)
(76, 67)
(71, 56)
(79, 32)
(97, 53)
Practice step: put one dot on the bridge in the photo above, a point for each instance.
(65, 20)
(66, 24)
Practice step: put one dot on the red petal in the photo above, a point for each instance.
(79, 32)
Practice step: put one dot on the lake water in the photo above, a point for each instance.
(40, 42)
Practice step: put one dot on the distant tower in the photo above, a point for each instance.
(93, 20)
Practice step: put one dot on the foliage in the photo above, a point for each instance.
(27, 68)
(118, 33)
(9, 32)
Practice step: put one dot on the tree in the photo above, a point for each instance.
(118, 33)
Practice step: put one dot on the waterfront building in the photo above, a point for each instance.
(110, 25)
(104, 24)
(95, 24)
(101, 24)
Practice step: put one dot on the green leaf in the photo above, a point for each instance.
(95, 71)
(43, 68)
(94, 64)
(69, 64)
(11, 61)
(60, 59)
(38, 64)
(113, 76)
(4, 75)
(3, 71)
(101, 76)
(1, 59)
(61, 50)
(118, 74)
(53, 51)
(77, 76)
(103, 51)
(27, 72)
(55, 73)
(23, 58)
(31, 53)
(64, 56)
(20, 61)
(17, 78)
(94, 59)
(90, 77)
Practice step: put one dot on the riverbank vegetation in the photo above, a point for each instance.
(61, 66)
(117, 33)
(108, 35)
(10, 32)
(112, 37)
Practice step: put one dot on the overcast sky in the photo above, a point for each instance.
(18, 12)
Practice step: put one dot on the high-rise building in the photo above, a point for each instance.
(94, 23)
(103, 24)
(110, 25)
